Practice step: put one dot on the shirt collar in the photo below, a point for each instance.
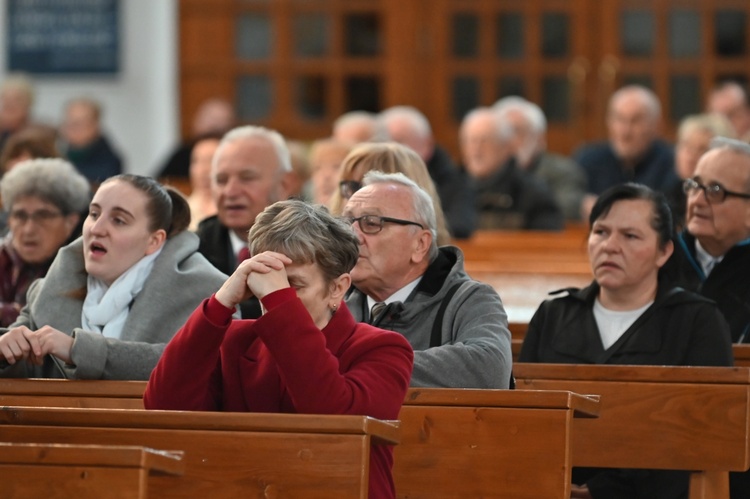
(400, 295)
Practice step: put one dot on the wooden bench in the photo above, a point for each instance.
(741, 354)
(82, 471)
(687, 418)
(478, 431)
(486, 443)
(227, 455)
(78, 393)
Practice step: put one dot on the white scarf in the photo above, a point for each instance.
(105, 309)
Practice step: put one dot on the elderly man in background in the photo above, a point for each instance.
(634, 152)
(712, 254)
(563, 176)
(404, 282)
(249, 173)
(730, 99)
(506, 197)
(355, 127)
(408, 126)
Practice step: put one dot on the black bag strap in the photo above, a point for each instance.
(437, 326)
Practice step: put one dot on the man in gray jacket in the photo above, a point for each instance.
(403, 282)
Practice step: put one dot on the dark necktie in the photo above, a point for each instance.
(376, 310)
(243, 254)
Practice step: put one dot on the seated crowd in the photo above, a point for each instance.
(323, 279)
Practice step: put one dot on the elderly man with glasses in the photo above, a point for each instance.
(403, 282)
(712, 254)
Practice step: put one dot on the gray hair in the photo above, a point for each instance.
(258, 132)
(502, 127)
(648, 97)
(52, 180)
(417, 121)
(424, 209)
(532, 113)
(307, 234)
(715, 124)
(734, 145)
(353, 118)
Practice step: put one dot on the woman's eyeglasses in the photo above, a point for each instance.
(372, 224)
(715, 193)
(347, 188)
(39, 217)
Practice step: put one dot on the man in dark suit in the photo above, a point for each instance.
(249, 173)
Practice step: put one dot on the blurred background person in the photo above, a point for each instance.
(213, 116)
(326, 157)
(634, 150)
(201, 200)
(386, 157)
(85, 144)
(694, 136)
(46, 200)
(29, 143)
(408, 126)
(564, 177)
(730, 99)
(16, 100)
(506, 197)
(355, 127)
(298, 180)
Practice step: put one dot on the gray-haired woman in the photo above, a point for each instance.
(44, 200)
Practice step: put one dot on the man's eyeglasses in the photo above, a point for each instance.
(39, 217)
(372, 224)
(347, 188)
(715, 193)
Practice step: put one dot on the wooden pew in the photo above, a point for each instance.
(517, 431)
(688, 418)
(227, 455)
(486, 443)
(82, 471)
(79, 393)
(741, 354)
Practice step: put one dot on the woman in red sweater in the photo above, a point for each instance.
(305, 354)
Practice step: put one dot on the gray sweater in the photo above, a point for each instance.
(180, 279)
(475, 341)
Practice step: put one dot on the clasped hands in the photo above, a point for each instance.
(21, 343)
(258, 276)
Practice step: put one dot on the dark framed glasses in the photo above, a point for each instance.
(372, 224)
(347, 188)
(715, 193)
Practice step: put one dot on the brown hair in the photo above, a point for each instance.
(167, 208)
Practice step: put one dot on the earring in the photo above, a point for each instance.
(334, 307)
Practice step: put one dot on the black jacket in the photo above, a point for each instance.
(513, 199)
(455, 194)
(680, 328)
(217, 248)
(728, 284)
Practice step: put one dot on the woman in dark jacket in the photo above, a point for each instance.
(626, 316)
